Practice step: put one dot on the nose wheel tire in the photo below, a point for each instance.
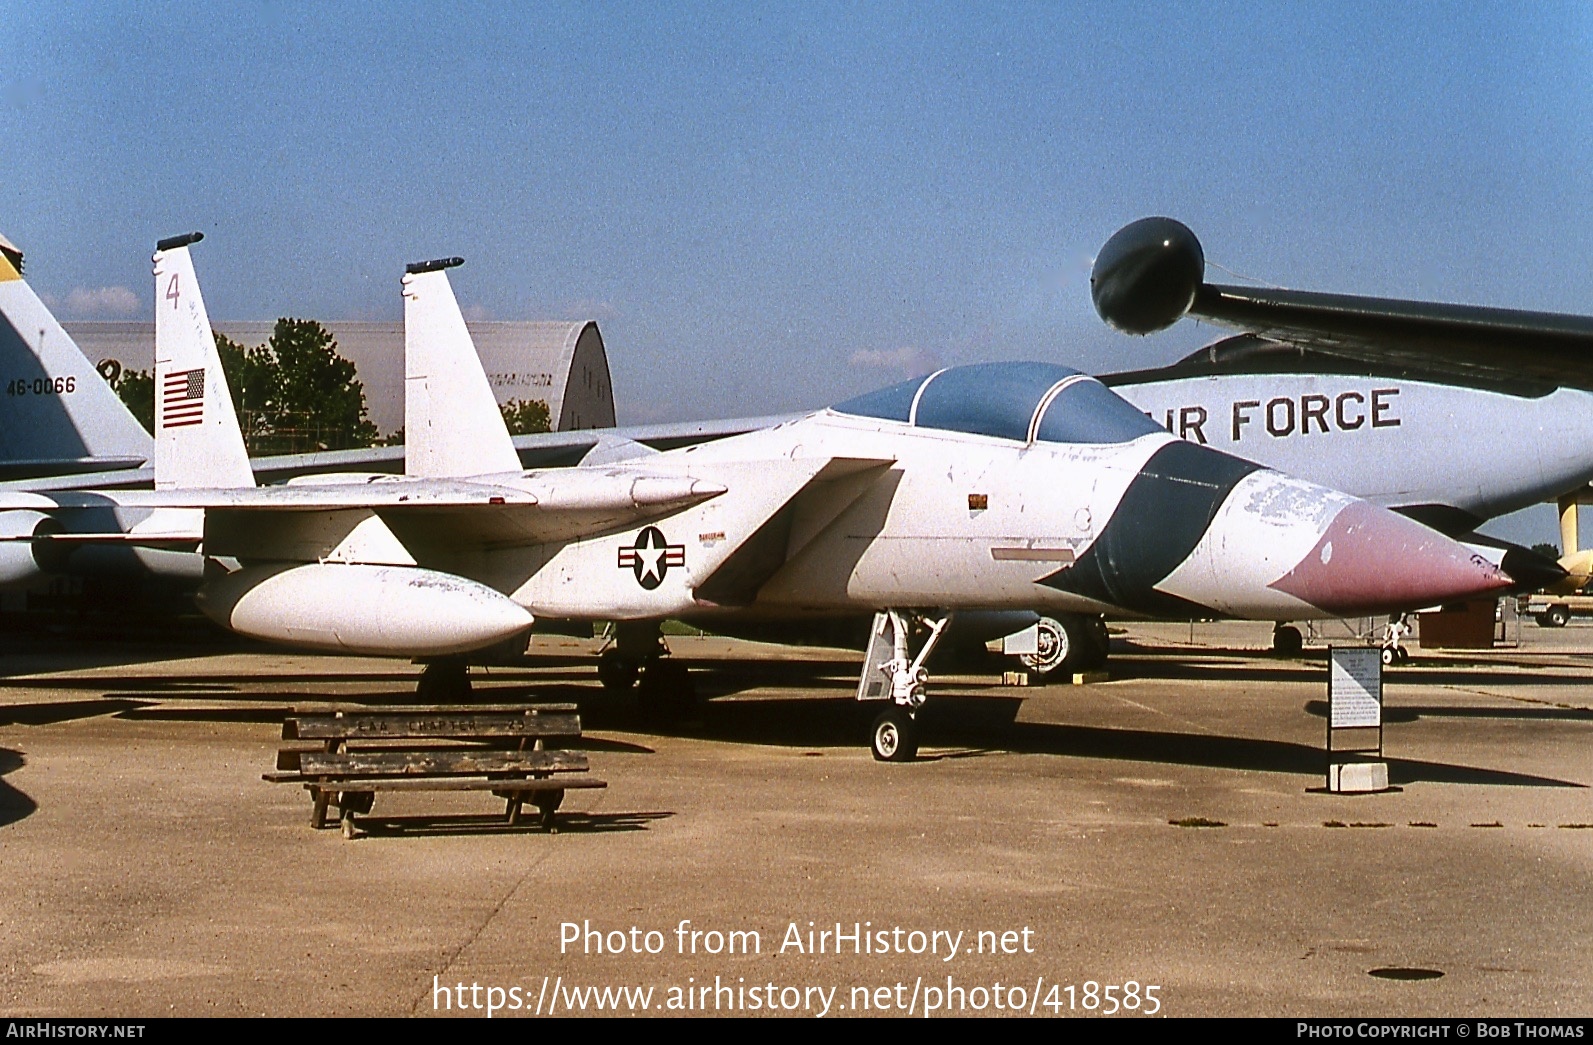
(894, 737)
(1395, 655)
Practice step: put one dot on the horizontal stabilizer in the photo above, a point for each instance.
(141, 540)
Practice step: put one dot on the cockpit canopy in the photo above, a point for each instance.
(1022, 401)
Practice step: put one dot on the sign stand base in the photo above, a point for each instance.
(1357, 777)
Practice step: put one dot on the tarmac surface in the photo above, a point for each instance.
(1165, 828)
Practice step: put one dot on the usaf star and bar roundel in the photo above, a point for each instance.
(650, 558)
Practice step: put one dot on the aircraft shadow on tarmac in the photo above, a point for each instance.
(1214, 666)
(966, 723)
(14, 804)
(47, 713)
(1244, 753)
(1412, 713)
(571, 822)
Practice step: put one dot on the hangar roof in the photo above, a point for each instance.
(564, 364)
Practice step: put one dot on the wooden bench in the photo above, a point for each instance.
(344, 757)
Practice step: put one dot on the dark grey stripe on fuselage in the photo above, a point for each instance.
(1163, 515)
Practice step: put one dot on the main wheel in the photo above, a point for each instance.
(666, 691)
(1099, 643)
(1055, 646)
(616, 673)
(1287, 641)
(895, 736)
(1556, 616)
(1390, 655)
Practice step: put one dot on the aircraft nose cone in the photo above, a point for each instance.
(1370, 559)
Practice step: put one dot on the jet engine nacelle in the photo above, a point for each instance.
(352, 608)
(1146, 276)
(22, 560)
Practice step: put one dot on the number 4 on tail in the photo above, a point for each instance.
(172, 293)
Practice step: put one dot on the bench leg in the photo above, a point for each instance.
(318, 808)
(511, 811)
(348, 822)
(548, 803)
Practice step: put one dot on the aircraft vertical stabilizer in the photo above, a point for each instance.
(197, 439)
(60, 415)
(452, 424)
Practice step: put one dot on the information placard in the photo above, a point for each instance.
(1355, 687)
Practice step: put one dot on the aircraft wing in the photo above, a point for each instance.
(538, 450)
(1152, 273)
(557, 506)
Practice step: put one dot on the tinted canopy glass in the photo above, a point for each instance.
(1021, 401)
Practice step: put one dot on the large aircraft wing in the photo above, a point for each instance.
(1151, 273)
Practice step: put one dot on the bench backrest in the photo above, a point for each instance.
(435, 723)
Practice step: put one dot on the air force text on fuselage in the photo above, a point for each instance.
(1391, 440)
(1284, 416)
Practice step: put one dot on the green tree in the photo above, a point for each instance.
(293, 394)
(315, 402)
(1551, 550)
(249, 374)
(524, 416)
(135, 387)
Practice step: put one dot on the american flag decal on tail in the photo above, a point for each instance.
(182, 398)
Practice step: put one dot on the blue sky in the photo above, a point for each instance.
(773, 207)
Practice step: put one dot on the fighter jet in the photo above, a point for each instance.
(987, 487)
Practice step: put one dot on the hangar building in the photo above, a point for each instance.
(563, 364)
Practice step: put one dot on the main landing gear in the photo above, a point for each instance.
(444, 681)
(639, 659)
(1066, 644)
(892, 672)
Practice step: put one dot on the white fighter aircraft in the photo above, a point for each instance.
(1000, 486)
(1384, 433)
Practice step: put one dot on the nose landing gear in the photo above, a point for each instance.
(1394, 651)
(892, 672)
